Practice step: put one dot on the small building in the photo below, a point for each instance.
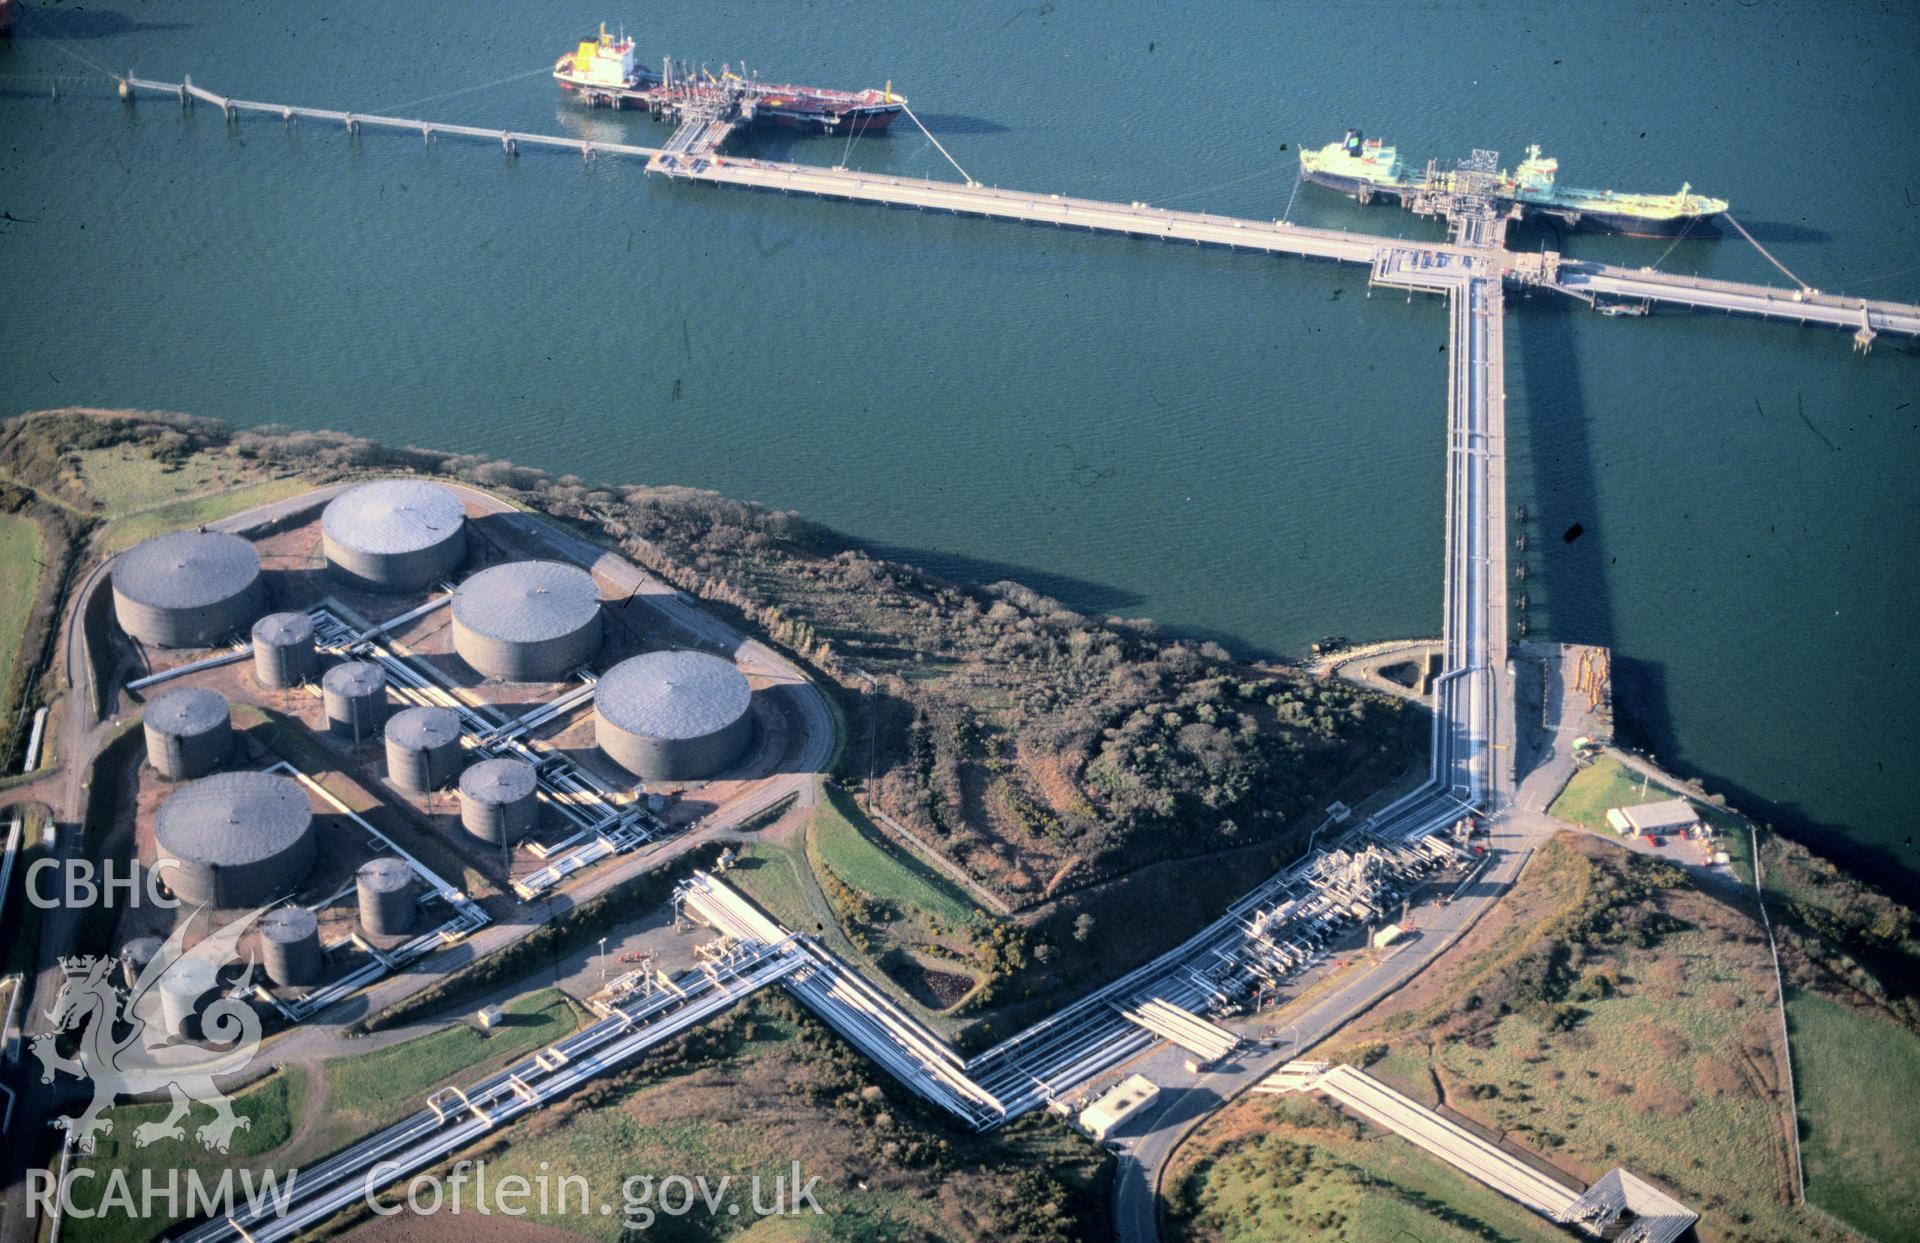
(490, 1018)
(1105, 1114)
(1672, 817)
(1388, 935)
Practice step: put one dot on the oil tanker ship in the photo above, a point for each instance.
(1367, 168)
(602, 71)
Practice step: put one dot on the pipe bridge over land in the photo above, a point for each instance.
(1284, 925)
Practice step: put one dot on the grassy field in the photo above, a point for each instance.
(1606, 783)
(853, 850)
(270, 1107)
(765, 873)
(750, 1094)
(1859, 1083)
(372, 1088)
(125, 478)
(195, 511)
(21, 552)
(1610, 1014)
(1294, 1168)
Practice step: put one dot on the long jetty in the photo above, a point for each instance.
(693, 153)
(1284, 925)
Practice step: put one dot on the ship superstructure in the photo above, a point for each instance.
(1368, 168)
(604, 73)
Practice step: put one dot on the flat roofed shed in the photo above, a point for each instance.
(1667, 816)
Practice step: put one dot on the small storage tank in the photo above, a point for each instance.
(385, 890)
(188, 589)
(423, 748)
(283, 655)
(673, 716)
(235, 839)
(134, 957)
(497, 801)
(527, 621)
(189, 984)
(394, 535)
(290, 945)
(355, 694)
(189, 733)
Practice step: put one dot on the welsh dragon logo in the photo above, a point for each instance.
(125, 1050)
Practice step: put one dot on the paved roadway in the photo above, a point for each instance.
(1187, 1100)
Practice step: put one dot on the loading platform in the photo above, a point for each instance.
(695, 152)
(1283, 924)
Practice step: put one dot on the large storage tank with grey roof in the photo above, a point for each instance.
(188, 589)
(527, 621)
(423, 748)
(673, 716)
(355, 695)
(189, 984)
(235, 839)
(290, 945)
(385, 891)
(498, 801)
(283, 655)
(189, 733)
(394, 535)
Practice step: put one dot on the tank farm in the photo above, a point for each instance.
(474, 683)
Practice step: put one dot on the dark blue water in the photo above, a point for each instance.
(1244, 448)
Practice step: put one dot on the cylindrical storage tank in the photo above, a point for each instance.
(527, 621)
(135, 955)
(189, 733)
(188, 589)
(188, 984)
(423, 748)
(355, 694)
(290, 945)
(283, 655)
(235, 839)
(673, 716)
(385, 890)
(394, 535)
(497, 801)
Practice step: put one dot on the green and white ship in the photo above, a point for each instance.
(1368, 168)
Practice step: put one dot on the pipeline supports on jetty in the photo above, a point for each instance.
(695, 152)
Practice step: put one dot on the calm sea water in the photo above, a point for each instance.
(1244, 448)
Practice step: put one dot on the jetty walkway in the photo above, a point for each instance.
(695, 152)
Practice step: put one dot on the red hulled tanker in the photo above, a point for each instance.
(602, 71)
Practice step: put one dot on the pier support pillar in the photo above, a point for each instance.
(353, 126)
(508, 145)
(126, 90)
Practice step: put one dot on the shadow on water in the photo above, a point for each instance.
(1575, 576)
(1078, 594)
(1566, 489)
(1640, 695)
(83, 23)
(1779, 231)
(944, 123)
